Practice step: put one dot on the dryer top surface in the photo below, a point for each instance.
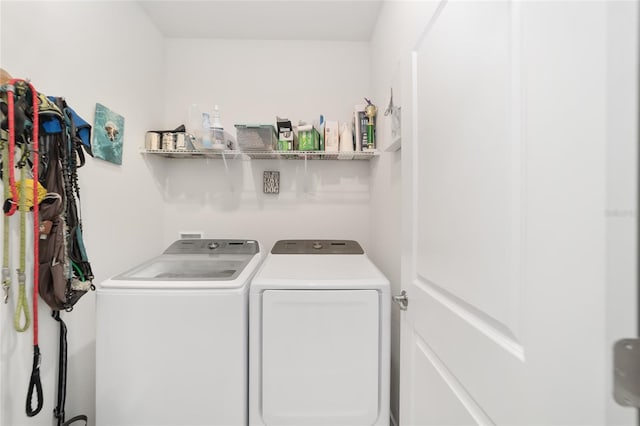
(330, 271)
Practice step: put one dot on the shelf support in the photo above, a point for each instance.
(227, 172)
(306, 175)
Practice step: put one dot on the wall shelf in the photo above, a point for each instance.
(265, 155)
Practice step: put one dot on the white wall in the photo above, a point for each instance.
(87, 52)
(253, 82)
(399, 26)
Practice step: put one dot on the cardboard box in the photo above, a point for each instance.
(285, 135)
(331, 136)
(360, 121)
(308, 138)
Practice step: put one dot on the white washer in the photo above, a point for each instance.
(172, 337)
(319, 337)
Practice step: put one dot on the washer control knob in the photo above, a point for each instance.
(317, 245)
(214, 245)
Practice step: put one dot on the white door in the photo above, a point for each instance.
(508, 213)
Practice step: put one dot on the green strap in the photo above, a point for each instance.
(6, 276)
(22, 309)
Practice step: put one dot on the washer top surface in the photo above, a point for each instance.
(318, 270)
(188, 264)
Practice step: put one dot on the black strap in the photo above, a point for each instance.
(77, 418)
(75, 139)
(62, 377)
(35, 383)
(62, 369)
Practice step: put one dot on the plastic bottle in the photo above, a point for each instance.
(217, 130)
(346, 137)
(206, 131)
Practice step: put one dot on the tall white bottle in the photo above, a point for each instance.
(217, 131)
(206, 131)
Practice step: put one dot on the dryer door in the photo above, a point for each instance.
(320, 357)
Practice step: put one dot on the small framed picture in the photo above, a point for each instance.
(108, 134)
(271, 182)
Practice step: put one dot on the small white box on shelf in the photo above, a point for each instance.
(331, 137)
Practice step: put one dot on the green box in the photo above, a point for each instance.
(284, 145)
(308, 140)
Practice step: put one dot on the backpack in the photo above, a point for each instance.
(65, 271)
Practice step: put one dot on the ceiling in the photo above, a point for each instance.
(339, 20)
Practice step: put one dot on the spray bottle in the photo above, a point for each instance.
(217, 130)
(206, 131)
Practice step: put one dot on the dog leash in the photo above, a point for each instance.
(58, 412)
(22, 307)
(6, 275)
(10, 193)
(11, 200)
(34, 383)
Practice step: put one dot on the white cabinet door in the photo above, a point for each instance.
(505, 230)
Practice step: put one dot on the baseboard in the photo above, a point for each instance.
(394, 422)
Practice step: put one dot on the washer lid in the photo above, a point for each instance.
(192, 268)
(198, 264)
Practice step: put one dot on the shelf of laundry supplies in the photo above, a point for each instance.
(266, 155)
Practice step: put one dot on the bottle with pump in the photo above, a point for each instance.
(217, 130)
(206, 131)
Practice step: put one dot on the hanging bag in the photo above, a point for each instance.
(65, 272)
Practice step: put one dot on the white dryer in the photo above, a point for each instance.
(172, 337)
(319, 337)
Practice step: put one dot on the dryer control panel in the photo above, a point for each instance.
(317, 247)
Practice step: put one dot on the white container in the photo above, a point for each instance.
(152, 141)
(217, 131)
(256, 137)
(331, 136)
(168, 141)
(346, 138)
(181, 142)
